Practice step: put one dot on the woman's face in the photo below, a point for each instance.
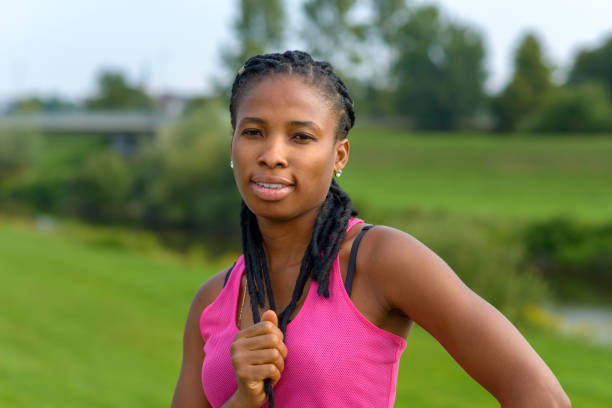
(284, 147)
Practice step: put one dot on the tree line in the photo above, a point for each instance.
(404, 62)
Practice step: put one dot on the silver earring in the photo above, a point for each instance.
(232, 164)
(339, 173)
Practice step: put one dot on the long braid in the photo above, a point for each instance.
(331, 223)
(335, 214)
(327, 236)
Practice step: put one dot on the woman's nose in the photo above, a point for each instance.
(274, 153)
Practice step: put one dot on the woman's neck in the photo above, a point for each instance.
(285, 242)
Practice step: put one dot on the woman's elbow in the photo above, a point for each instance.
(553, 397)
(558, 397)
(562, 400)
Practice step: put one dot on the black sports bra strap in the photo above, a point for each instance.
(227, 275)
(353, 259)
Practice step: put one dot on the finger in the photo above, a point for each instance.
(263, 341)
(275, 378)
(267, 356)
(283, 350)
(247, 360)
(270, 316)
(261, 372)
(254, 373)
(261, 328)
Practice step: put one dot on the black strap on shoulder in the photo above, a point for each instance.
(353, 260)
(227, 275)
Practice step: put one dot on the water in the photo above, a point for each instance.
(594, 323)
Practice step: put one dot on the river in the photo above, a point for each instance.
(594, 323)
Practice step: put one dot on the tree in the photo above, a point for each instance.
(594, 65)
(331, 34)
(529, 87)
(578, 108)
(439, 69)
(258, 28)
(400, 59)
(183, 181)
(38, 104)
(114, 92)
(19, 149)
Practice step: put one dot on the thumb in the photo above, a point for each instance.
(270, 316)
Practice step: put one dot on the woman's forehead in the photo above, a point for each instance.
(286, 97)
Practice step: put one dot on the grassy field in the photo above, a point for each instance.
(84, 325)
(515, 177)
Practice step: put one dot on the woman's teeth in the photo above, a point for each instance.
(266, 185)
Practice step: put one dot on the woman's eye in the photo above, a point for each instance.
(302, 137)
(251, 132)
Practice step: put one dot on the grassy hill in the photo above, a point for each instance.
(503, 176)
(85, 325)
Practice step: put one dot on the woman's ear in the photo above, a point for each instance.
(231, 144)
(342, 154)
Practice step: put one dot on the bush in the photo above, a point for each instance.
(567, 252)
(48, 193)
(486, 255)
(19, 147)
(178, 184)
(101, 188)
(184, 183)
(580, 108)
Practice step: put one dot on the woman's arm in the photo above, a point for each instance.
(412, 278)
(188, 392)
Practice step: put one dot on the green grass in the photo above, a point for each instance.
(516, 177)
(84, 325)
(87, 326)
(429, 377)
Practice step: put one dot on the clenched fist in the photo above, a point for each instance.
(258, 352)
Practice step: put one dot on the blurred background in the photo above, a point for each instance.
(483, 129)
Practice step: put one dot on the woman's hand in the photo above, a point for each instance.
(258, 352)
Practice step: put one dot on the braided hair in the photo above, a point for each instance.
(331, 222)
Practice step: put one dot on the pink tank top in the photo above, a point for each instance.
(336, 357)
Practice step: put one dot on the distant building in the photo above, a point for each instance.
(171, 104)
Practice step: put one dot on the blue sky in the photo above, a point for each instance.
(56, 47)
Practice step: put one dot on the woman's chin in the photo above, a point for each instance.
(273, 211)
(279, 211)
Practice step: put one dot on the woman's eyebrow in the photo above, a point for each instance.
(299, 123)
(252, 119)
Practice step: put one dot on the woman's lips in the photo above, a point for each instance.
(271, 191)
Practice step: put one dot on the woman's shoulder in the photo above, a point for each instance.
(391, 244)
(405, 274)
(390, 256)
(209, 290)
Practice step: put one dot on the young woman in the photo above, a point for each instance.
(316, 311)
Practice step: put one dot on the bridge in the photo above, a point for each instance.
(106, 123)
(124, 130)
